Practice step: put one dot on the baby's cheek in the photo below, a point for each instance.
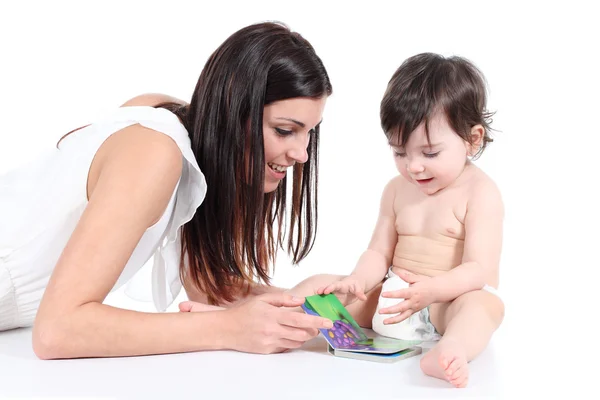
(401, 167)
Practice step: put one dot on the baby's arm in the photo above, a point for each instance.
(373, 264)
(482, 248)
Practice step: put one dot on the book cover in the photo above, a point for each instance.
(347, 339)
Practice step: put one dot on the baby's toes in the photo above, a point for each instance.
(454, 365)
(460, 377)
(460, 382)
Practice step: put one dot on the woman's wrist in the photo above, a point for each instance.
(216, 330)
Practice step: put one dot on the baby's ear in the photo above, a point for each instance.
(477, 133)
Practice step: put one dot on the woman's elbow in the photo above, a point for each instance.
(49, 340)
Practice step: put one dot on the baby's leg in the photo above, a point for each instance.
(467, 324)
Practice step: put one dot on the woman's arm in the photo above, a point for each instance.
(130, 183)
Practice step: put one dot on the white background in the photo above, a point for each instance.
(65, 62)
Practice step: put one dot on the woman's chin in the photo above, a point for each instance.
(271, 186)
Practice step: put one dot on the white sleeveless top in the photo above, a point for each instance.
(41, 203)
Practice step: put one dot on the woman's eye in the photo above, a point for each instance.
(431, 155)
(399, 154)
(283, 132)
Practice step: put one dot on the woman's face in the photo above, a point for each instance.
(287, 126)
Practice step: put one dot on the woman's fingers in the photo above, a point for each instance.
(289, 344)
(304, 321)
(282, 299)
(297, 334)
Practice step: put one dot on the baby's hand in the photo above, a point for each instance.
(416, 297)
(350, 289)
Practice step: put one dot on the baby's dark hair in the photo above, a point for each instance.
(427, 83)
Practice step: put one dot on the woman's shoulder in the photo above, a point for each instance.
(152, 100)
(155, 143)
(140, 126)
(193, 183)
(138, 154)
(142, 140)
(151, 135)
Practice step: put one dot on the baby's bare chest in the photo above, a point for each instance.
(432, 215)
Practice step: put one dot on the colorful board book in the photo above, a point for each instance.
(347, 339)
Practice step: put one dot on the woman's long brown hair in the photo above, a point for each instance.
(233, 237)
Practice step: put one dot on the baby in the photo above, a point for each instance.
(438, 236)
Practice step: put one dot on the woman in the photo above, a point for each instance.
(199, 186)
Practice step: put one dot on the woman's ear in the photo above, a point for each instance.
(477, 133)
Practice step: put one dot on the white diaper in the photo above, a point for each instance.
(416, 327)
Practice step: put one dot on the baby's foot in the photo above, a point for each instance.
(448, 361)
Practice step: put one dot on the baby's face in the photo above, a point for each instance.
(432, 167)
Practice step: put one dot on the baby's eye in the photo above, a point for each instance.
(431, 155)
(283, 132)
(399, 154)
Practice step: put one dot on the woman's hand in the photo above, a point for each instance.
(420, 294)
(265, 324)
(194, 306)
